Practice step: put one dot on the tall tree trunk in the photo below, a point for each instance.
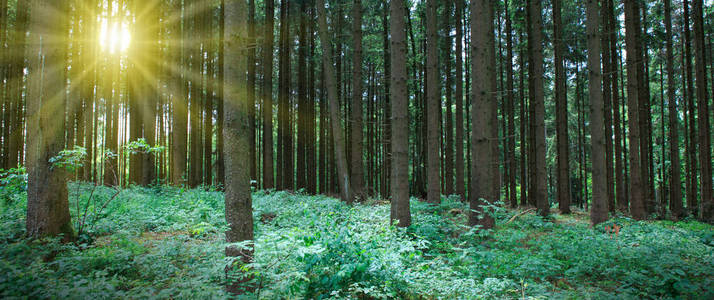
(433, 194)
(705, 167)
(251, 89)
(400, 116)
(47, 204)
(220, 161)
(613, 27)
(239, 210)
(448, 155)
(356, 170)
(632, 28)
(691, 149)
(599, 210)
(302, 100)
(483, 68)
(607, 99)
(311, 116)
(675, 199)
(459, 95)
(195, 140)
(561, 116)
(337, 131)
(267, 93)
(536, 79)
(180, 108)
(12, 137)
(387, 142)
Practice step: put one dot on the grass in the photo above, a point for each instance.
(163, 242)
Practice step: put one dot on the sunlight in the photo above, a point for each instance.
(114, 37)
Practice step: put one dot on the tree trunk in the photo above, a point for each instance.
(302, 100)
(599, 210)
(47, 204)
(239, 211)
(459, 95)
(356, 170)
(536, 79)
(632, 27)
(483, 93)
(561, 104)
(705, 168)
(337, 131)
(675, 199)
(180, 109)
(607, 99)
(613, 27)
(400, 116)
(433, 194)
(267, 92)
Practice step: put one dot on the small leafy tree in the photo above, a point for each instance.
(88, 213)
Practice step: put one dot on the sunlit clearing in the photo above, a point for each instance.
(114, 37)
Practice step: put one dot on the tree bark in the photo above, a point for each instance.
(705, 165)
(599, 210)
(483, 67)
(613, 27)
(561, 104)
(239, 211)
(632, 27)
(460, 188)
(675, 199)
(433, 194)
(267, 92)
(337, 131)
(47, 204)
(536, 79)
(356, 170)
(400, 116)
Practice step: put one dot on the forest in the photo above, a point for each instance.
(356, 149)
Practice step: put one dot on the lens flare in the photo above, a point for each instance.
(114, 37)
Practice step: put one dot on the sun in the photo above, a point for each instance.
(114, 37)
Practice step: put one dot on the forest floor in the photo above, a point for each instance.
(168, 243)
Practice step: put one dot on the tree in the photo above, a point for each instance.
(632, 28)
(337, 131)
(705, 168)
(239, 211)
(459, 95)
(433, 109)
(483, 67)
(599, 210)
(357, 172)
(561, 116)
(47, 204)
(675, 199)
(267, 92)
(399, 99)
(535, 52)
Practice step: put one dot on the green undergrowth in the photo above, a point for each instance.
(161, 242)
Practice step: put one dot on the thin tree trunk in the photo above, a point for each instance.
(337, 131)
(632, 28)
(433, 110)
(599, 210)
(561, 104)
(536, 79)
(459, 95)
(705, 167)
(675, 199)
(267, 92)
(357, 173)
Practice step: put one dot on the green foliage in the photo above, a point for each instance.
(168, 243)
